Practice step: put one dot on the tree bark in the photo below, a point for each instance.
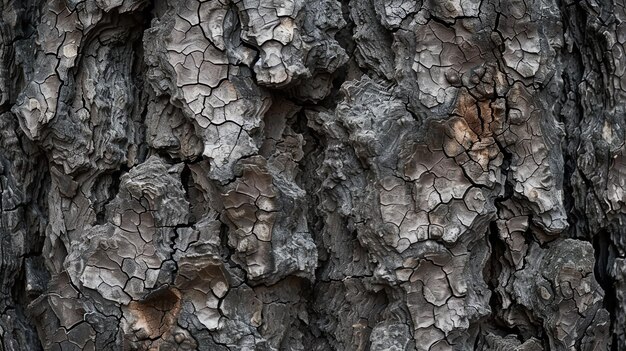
(312, 175)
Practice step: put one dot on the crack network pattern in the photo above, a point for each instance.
(312, 175)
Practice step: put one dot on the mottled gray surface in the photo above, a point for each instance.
(312, 175)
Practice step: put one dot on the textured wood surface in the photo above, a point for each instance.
(312, 175)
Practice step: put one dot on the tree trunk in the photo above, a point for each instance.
(312, 175)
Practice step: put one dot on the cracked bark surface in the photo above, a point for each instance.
(312, 175)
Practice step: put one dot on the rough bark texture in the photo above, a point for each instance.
(313, 175)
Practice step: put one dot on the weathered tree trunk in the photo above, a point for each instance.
(313, 175)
